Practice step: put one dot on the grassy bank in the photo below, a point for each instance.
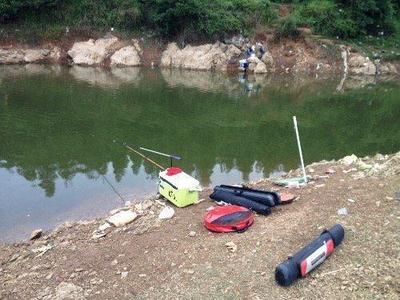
(373, 23)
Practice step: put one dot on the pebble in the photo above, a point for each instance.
(231, 246)
(124, 274)
(330, 171)
(192, 234)
(114, 262)
(36, 234)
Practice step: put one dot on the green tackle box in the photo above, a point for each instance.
(178, 187)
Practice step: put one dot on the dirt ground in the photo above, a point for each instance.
(180, 259)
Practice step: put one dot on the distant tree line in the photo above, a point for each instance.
(209, 18)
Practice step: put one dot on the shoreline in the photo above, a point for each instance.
(306, 55)
(142, 205)
(130, 261)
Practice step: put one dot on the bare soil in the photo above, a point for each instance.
(154, 259)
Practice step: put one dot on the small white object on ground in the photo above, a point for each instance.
(330, 171)
(166, 213)
(104, 226)
(351, 200)
(192, 233)
(124, 275)
(122, 218)
(97, 235)
(342, 211)
(67, 290)
(42, 250)
(349, 160)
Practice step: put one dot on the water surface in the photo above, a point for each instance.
(61, 130)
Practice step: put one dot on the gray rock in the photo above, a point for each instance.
(122, 218)
(67, 291)
(349, 160)
(92, 52)
(36, 234)
(126, 56)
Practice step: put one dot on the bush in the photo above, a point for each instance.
(325, 17)
(208, 18)
(286, 27)
(348, 19)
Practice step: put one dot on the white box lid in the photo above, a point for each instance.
(181, 180)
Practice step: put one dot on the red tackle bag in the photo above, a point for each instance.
(228, 218)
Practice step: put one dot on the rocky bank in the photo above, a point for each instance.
(305, 55)
(134, 254)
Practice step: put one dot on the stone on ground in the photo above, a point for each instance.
(122, 218)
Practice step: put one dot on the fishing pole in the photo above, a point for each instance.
(145, 157)
(170, 156)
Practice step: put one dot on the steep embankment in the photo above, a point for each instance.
(304, 55)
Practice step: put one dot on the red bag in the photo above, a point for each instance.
(228, 218)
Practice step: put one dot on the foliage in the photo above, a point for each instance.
(168, 17)
(210, 17)
(287, 27)
(347, 19)
(207, 18)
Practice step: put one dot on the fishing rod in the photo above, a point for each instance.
(170, 156)
(145, 157)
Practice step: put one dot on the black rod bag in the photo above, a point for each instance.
(227, 197)
(267, 198)
(310, 257)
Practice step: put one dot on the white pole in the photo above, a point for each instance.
(300, 151)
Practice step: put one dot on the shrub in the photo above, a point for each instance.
(286, 27)
(348, 19)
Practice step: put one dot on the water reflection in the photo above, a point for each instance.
(58, 127)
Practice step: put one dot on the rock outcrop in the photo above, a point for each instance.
(35, 55)
(268, 60)
(93, 52)
(126, 56)
(256, 65)
(386, 68)
(12, 56)
(360, 65)
(204, 57)
(22, 56)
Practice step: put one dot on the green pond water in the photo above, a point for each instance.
(60, 130)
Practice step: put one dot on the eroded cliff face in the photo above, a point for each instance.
(204, 57)
(304, 56)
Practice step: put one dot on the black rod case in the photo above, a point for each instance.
(310, 257)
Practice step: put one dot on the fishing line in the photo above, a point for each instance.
(113, 188)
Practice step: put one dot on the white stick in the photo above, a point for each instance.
(300, 151)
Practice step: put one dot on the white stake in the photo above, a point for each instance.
(300, 151)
